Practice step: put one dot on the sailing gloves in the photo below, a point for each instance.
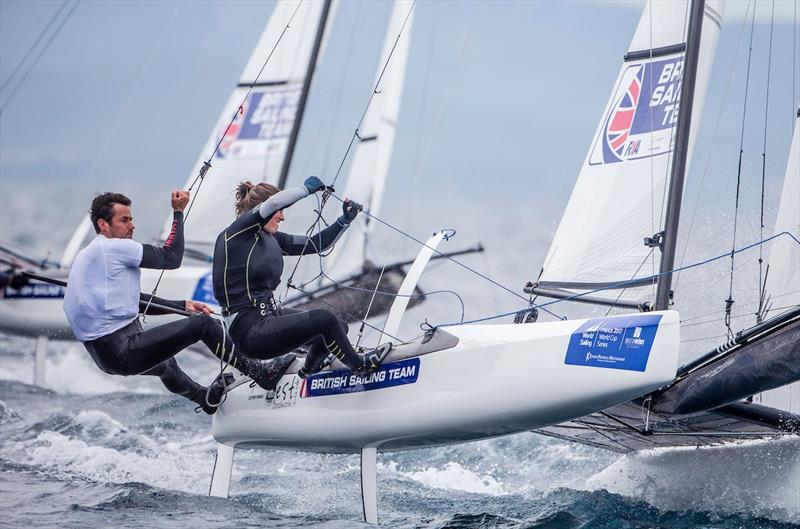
(350, 210)
(313, 184)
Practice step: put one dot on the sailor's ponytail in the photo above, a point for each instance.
(249, 195)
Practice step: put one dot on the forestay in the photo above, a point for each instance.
(373, 152)
(255, 145)
(620, 194)
(783, 276)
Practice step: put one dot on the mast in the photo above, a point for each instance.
(301, 106)
(673, 210)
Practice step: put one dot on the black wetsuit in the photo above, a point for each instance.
(248, 263)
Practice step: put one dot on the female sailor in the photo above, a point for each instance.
(248, 262)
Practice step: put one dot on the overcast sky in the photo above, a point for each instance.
(501, 102)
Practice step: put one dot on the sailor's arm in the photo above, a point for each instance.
(287, 197)
(319, 242)
(191, 306)
(169, 255)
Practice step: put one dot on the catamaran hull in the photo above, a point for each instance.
(496, 380)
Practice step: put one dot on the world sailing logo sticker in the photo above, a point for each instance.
(643, 113)
(263, 124)
(617, 342)
(345, 381)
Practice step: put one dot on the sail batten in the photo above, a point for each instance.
(620, 195)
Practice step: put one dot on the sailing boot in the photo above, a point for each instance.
(371, 360)
(304, 371)
(209, 399)
(267, 374)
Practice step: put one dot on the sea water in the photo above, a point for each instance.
(91, 450)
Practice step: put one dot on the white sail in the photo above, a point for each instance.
(373, 153)
(619, 196)
(254, 146)
(783, 277)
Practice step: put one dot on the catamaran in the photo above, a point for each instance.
(258, 145)
(613, 381)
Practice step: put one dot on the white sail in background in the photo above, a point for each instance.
(783, 279)
(254, 146)
(373, 153)
(622, 186)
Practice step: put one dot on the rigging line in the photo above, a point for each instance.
(340, 87)
(396, 295)
(652, 165)
(440, 111)
(622, 291)
(683, 320)
(33, 46)
(459, 263)
(713, 142)
(207, 164)
(730, 301)
(372, 95)
(762, 279)
(706, 338)
(673, 131)
(355, 135)
(202, 173)
(38, 57)
(369, 307)
(372, 291)
(624, 283)
(398, 341)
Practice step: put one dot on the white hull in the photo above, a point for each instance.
(34, 315)
(496, 380)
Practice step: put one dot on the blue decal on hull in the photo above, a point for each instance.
(35, 290)
(618, 342)
(204, 291)
(345, 381)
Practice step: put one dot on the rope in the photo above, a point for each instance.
(374, 292)
(39, 56)
(441, 254)
(329, 190)
(33, 46)
(715, 136)
(730, 301)
(625, 283)
(372, 95)
(207, 164)
(761, 278)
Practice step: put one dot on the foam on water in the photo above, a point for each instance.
(452, 477)
(760, 477)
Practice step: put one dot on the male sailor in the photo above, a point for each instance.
(102, 306)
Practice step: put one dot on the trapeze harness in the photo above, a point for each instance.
(248, 263)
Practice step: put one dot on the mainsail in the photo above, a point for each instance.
(783, 275)
(373, 152)
(620, 195)
(255, 146)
